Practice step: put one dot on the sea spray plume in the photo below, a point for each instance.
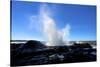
(66, 34)
(54, 36)
(47, 26)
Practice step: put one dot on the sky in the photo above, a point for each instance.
(26, 25)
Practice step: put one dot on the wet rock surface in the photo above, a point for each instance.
(36, 53)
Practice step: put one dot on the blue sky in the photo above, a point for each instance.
(81, 18)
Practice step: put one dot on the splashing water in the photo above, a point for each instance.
(54, 36)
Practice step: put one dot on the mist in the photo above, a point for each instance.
(54, 36)
(48, 27)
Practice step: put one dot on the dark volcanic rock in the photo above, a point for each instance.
(83, 45)
(23, 52)
(34, 44)
(35, 53)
